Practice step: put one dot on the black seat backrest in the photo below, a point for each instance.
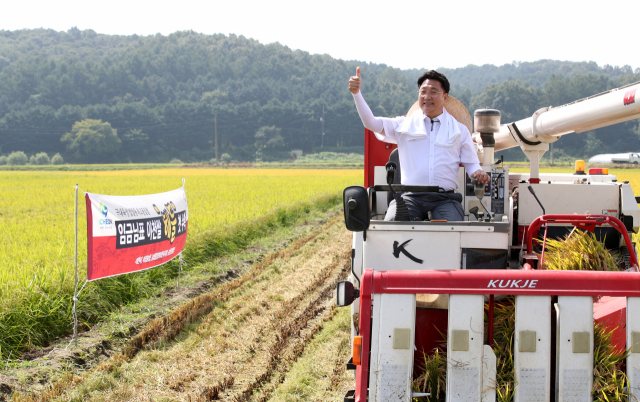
(397, 178)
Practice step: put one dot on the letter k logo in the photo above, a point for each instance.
(400, 249)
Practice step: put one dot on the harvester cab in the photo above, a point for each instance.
(418, 285)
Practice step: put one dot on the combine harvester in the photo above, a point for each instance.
(412, 282)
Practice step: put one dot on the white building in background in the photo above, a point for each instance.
(628, 157)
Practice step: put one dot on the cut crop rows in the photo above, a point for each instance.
(236, 343)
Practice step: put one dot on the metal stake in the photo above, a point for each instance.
(179, 270)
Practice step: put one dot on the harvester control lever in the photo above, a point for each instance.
(474, 211)
(536, 197)
(478, 189)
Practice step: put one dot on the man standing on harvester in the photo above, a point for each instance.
(431, 146)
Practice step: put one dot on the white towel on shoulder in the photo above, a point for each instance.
(415, 128)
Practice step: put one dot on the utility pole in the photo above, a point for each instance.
(322, 121)
(215, 127)
(552, 154)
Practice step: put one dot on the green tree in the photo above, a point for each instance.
(135, 135)
(270, 144)
(214, 97)
(92, 141)
(225, 158)
(269, 137)
(40, 158)
(134, 143)
(513, 99)
(57, 159)
(593, 145)
(17, 158)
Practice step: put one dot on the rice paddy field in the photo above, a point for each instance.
(37, 221)
(37, 208)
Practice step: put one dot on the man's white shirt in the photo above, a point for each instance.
(430, 160)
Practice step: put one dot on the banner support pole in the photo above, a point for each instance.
(180, 255)
(179, 269)
(75, 292)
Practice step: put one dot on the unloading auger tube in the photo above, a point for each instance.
(548, 124)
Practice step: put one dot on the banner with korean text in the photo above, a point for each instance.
(132, 233)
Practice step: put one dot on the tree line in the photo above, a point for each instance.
(166, 96)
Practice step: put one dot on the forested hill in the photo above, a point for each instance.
(162, 94)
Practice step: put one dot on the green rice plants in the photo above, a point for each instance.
(433, 380)
(504, 325)
(609, 381)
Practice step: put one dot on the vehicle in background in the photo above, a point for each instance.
(628, 157)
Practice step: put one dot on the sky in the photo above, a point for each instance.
(406, 34)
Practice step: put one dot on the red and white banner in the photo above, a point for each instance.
(131, 233)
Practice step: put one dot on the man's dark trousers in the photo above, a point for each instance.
(443, 206)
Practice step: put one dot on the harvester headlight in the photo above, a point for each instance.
(346, 293)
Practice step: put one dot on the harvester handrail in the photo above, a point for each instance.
(586, 222)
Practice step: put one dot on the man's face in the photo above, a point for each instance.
(431, 98)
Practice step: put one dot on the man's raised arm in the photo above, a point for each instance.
(368, 119)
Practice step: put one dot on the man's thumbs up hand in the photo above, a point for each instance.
(355, 82)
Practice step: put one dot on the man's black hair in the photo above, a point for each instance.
(434, 75)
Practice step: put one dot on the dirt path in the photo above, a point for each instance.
(238, 342)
